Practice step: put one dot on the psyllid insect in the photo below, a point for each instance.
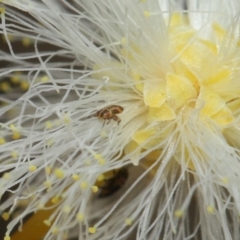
(110, 112)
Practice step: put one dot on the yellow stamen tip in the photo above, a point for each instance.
(75, 177)
(80, 217)
(48, 124)
(146, 13)
(94, 189)
(6, 176)
(84, 185)
(128, 221)
(67, 209)
(59, 173)
(210, 209)
(24, 85)
(55, 230)
(55, 199)
(178, 213)
(14, 154)
(44, 79)
(2, 10)
(47, 222)
(92, 230)
(5, 216)
(7, 238)
(2, 141)
(32, 168)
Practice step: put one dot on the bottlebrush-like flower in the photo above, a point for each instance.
(129, 128)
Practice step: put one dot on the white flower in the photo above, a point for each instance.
(174, 69)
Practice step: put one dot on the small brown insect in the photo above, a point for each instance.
(110, 112)
(113, 184)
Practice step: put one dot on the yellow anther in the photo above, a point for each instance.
(66, 118)
(14, 154)
(7, 237)
(225, 180)
(80, 217)
(67, 209)
(24, 85)
(54, 230)
(65, 236)
(146, 13)
(48, 170)
(50, 142)
(2, 141)
(32, 168)
(44, 79)
(2, 10)
(100, 177)
(210, 209)
(5, 87)
(48, 124)
(26, 41)
(15, 78)
(75, 177)
(178, 213)
(5, 216)
(40, 206)
(92, 230)
(100, 159)
(6, 176)
(47, 184)
(123, 41)
(16, 135)
(59, 173)
(55, 199)
(128, 221)
(47, 222)
(83, 185)
(94, 189)
(103, 133)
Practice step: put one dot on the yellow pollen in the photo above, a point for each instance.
(80, 217)
(5, 216)
(225, 180)
(44, 79)
(92, 230)
(75, 177)
(67, 209)
(16, 135)
(66, 118)
(2, 10)
(5, 87)
(55, 230)
(2, 141)
(6, 176)
(146, 13)
(48, 124)
(15, 78)
(7, 238)
(83, 185)
(59, 173)
(94, 189)
(100, 159)
(14, 154)
(55, 199)
(32, 168)
(128, 221)
(48, 170)
(210, 209)
(100, 177)
(123, 41)
(24, 85)
(26, 41)
(47, 222)
(49, 142)
(47, 184)
(88, 162)
(178, 213)
(40, 206)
